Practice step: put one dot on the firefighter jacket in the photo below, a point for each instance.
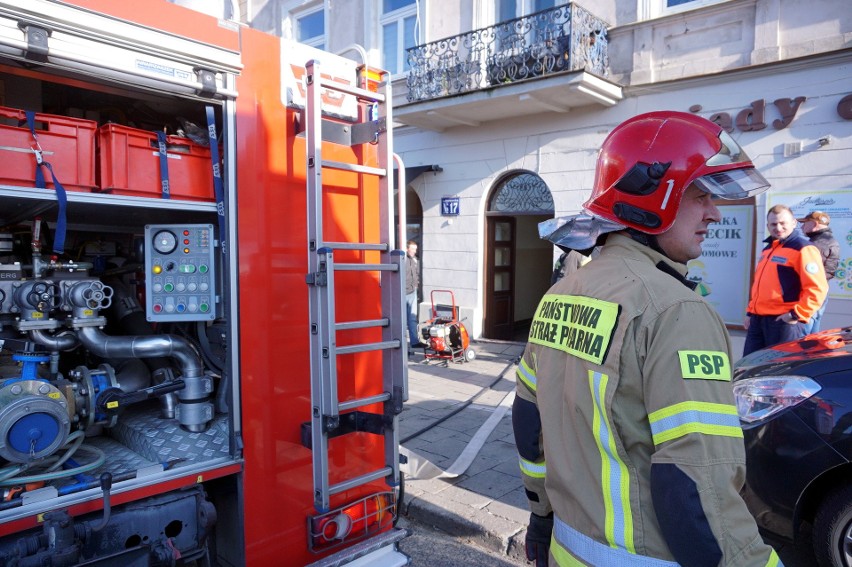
(829, 248)
(789, 277)
(629, 370)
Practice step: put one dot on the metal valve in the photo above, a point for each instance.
(91, 295)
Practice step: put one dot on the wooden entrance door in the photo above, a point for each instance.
(500, 278)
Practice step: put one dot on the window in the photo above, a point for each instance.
(399, 19)
(511, 9)
(521, 193)
(310, 27)
(655, 8)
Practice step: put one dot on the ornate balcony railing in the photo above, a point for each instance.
(562, 39)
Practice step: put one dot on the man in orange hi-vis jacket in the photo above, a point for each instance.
(789, 284)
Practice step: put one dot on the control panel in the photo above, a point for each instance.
(181, 272)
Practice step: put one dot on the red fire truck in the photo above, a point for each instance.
(201, 301)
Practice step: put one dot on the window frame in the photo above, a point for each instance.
(650, 9)
(318, 42)
(522, 8)
(397, 17)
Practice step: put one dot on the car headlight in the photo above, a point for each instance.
(758, 399)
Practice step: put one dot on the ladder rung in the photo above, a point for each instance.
(382, 247)
(366, 347)
(366, 267)
(355, 167)
(362, 324)
(349, 89)
(352, 404)
(359, 480)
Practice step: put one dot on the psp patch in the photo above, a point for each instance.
(705, 365)
(811, 268)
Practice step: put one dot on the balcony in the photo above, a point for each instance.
(552, 60)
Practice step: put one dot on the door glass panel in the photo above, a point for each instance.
(502, 256)
(503, 232)
(540, 5)
(501, 281)
(391, 5)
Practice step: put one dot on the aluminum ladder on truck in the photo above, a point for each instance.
(329, 416)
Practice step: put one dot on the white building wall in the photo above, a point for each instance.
(721, 57)
(562, 149)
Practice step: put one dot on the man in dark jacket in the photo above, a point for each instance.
(412, 283)
(815, 226)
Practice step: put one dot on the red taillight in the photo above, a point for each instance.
(352, 522)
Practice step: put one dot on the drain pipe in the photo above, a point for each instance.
(65, 340)
(194, 410)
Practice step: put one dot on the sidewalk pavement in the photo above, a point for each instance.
(486, 503)
(447, 405)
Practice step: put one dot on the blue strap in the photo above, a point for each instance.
(218, 186)
(61, 197)
(164, 166)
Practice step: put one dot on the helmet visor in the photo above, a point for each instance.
(730, 152)
(733, 184)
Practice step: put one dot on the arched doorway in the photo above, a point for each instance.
(517, 262)
(413, 222)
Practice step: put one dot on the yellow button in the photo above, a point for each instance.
(158, 269)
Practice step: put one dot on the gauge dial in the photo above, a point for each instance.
(165, 242)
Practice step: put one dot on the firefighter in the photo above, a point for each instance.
(625, 384)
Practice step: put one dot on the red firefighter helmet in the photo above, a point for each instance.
(647, 162)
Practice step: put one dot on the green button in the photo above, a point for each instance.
(202, 268)
(187, 268)
(204, 308)
(169, 287)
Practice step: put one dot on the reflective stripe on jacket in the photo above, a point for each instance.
(526, 424)
(645, 458)
(789, 277)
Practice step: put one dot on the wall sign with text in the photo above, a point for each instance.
(723, 271)
(837, 203)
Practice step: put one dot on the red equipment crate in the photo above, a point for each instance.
(68, 145)
(129, 164)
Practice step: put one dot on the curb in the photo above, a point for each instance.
(475, 527)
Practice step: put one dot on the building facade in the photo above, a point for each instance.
(775, 73)
(503, 104)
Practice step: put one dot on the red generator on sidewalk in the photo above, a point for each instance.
(204, 368)
(444, 335)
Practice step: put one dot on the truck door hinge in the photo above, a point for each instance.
(37, 37)
(207, 78)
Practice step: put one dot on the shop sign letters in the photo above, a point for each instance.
(754, 116)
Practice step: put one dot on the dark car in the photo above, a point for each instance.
(795, 405)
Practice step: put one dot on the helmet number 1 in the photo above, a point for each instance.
(670, 184)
